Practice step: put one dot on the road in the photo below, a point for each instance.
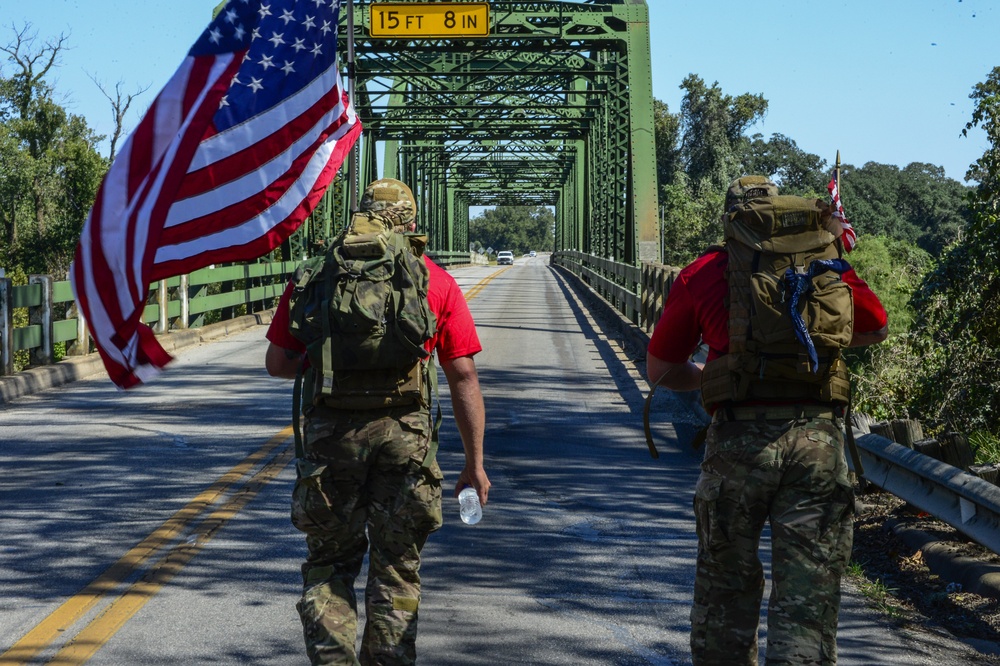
(151, 527)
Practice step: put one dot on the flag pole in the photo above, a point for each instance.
(837, 171)
(352, 169)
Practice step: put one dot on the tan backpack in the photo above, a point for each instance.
(790, 313)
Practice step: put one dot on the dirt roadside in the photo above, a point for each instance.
(899, 581)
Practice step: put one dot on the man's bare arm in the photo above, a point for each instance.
(674, 376)
(281, 362)
(870, 338)
(470, 417)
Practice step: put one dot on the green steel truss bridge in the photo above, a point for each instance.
(554, 107)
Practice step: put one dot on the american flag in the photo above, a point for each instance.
(234, 153)
(849, 238)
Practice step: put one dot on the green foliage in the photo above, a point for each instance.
(986, 447)
(986, 116)
(918, 204)
(19, 278)
(519, 229)
(667, 131)
(893, 269)
(958, 333)
(690, 222)
(714, 124)
(796, 171)
(49, 165)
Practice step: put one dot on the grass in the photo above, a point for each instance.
(986, 446)
(878, 594)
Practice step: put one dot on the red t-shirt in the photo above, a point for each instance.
(456, 331)
(695, 310)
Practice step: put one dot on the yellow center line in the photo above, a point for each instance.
(474, 291)
(94, 635)
(62, 618)
(99, 631)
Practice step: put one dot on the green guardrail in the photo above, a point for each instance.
(41, 318)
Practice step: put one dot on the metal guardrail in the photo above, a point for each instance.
(966, 502)
(177, 303)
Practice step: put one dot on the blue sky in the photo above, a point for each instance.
(880, 80)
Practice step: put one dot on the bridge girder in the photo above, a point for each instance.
(553, 108)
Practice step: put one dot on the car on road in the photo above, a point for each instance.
(532, 253)
(505, 257)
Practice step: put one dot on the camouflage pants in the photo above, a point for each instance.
(363, 483)
(795, 475)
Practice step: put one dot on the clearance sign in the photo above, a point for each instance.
(409, 20)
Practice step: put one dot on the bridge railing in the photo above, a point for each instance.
(53, 327)
(188, 301)
(954, 494)
(637, 293)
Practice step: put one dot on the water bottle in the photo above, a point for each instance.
(468, 506)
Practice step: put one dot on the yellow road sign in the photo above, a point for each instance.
(393, 20)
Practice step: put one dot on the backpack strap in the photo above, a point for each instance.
(645, 418)
(852, 446)
(435, 438)
(297, 410)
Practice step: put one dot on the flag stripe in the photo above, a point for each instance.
(232, 203)
(849, 237)
(199, 193)
(221, 244)
(232, 156)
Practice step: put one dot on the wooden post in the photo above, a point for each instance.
(955, 450)
(41, 316)
(929, 447)
(6, 327)
(182, 296)
(906, 432)
(883, 429)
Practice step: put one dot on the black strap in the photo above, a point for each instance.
(645, 417)
(433, 448)
(852, 446)
(297, 409)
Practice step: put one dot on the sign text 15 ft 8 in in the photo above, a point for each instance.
(430, 19)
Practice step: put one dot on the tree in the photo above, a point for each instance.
(986, 115)
(699, 152)
(917, 204)
(515, 228)
(957, 332)
(780, 158)
(691, 222)
(120, 104)
(51, 165)
(714, 144)
(667, 134)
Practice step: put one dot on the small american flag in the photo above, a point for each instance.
(234, 153)
(850, 237)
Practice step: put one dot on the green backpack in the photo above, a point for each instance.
(790, 313)
(362, 312)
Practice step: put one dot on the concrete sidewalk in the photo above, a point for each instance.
(73, 368)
